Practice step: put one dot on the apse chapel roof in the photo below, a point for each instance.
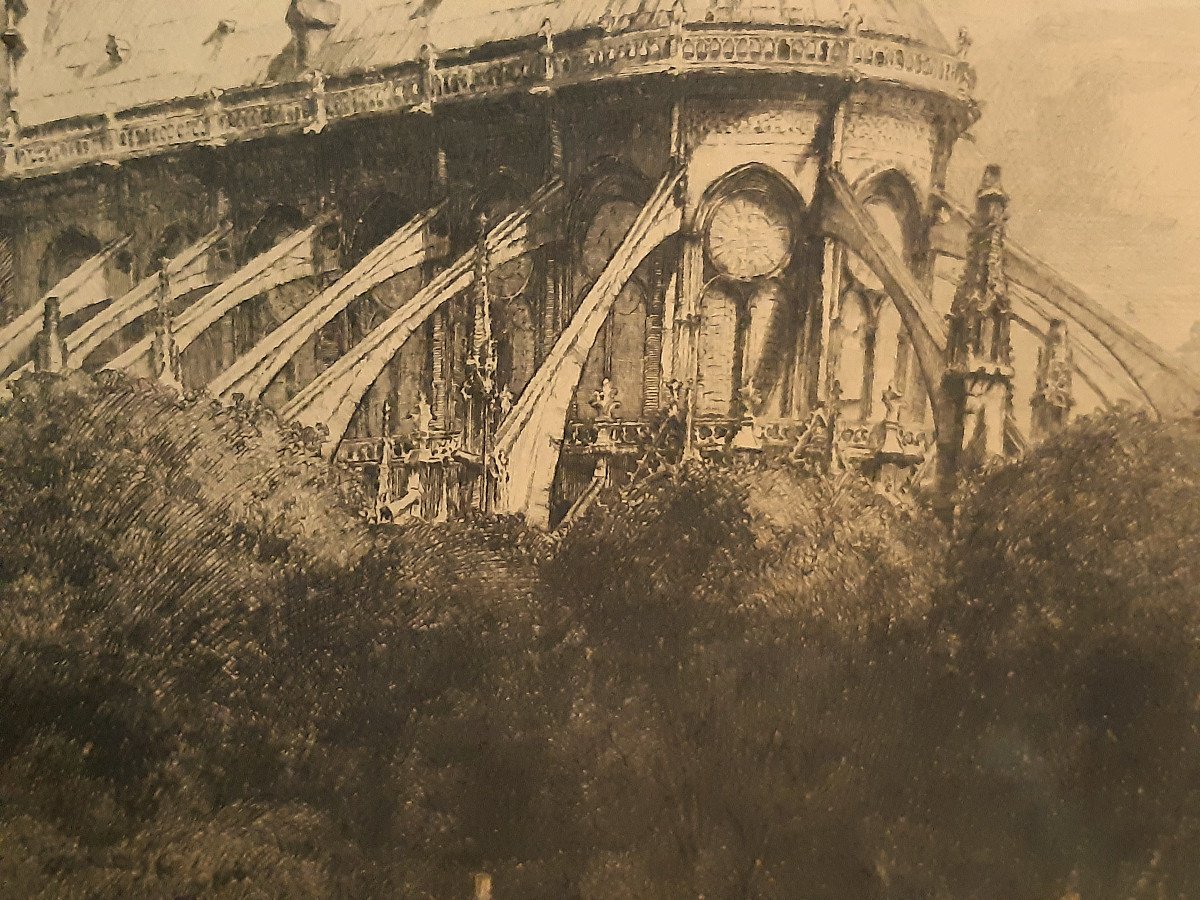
(90, 56)
(105, 80)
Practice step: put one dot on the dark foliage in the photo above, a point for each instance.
(216, 681)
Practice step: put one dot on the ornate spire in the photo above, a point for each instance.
(980, 314)
(979, 350)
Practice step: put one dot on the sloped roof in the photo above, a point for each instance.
(178, 48)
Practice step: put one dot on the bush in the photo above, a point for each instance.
(215, 680)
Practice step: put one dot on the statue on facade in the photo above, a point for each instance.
(164, 363)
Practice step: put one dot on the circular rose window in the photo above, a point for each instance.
(750, 235)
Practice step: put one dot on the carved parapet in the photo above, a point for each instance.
(665, 45)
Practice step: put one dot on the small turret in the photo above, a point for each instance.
(979, 348)
(51, 353)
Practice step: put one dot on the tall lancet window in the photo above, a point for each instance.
(869, 349)
(619, 354)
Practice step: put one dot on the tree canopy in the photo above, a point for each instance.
(217, 681)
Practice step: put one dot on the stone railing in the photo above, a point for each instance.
(364, 452)
(860, 440)
(605, 437)
(313, 102)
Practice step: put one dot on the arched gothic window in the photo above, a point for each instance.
(870, 350)
(751, 314)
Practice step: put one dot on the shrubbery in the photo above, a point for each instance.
(728, 684)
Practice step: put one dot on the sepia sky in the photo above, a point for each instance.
(1093, 109)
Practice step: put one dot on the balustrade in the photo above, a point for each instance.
(246, 113)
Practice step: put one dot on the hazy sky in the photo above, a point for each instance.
(1093, 109)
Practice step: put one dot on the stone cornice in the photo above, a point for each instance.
(309, 105)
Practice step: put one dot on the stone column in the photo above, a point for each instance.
(834, 255)
(689, 284)
(164, 361)
(52, 344)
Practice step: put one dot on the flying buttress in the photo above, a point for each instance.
(843, 217)
(407, 248)
(528, 436)
(189, 271)
(1166, 385)
(82, 289)
(332, 398)
(293, 258)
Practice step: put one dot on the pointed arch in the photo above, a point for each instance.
(754, 229)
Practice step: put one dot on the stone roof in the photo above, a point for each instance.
(91, 56)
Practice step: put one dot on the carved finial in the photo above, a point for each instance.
(607, 22)
(546, 33)
(677, 400)
(835, 399)
(606, 400)
(852, 21)
(964, 42)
